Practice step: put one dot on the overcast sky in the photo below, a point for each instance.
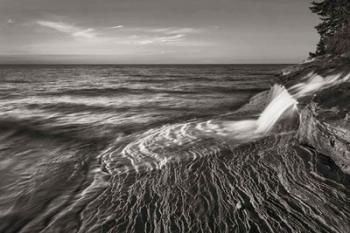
(156, 31)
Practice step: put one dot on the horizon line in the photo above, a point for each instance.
(140, 64)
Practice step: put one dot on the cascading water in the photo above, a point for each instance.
(128, 152)
(280, 103)
(282, 100)
(315, 82)
(148, 153)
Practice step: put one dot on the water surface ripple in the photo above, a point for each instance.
(141, 149)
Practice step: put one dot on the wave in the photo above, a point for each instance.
(155, 148)
(85, 165)
(151, 150)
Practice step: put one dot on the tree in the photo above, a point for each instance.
(334, 28)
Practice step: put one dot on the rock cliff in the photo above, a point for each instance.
(325, 115)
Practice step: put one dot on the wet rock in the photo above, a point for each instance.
(325, 136)
(325, 121)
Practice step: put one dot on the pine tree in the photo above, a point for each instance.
(334, 28)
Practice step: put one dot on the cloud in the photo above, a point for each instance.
(140, 36)
(86, 33)
(160, 39)
(10, 21)
(163, 31)
(151, 35)
(174, 30)
(118, 26)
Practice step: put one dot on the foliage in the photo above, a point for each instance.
(334, 28)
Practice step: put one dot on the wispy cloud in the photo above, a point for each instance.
(161, 39)
(78, 32)
(161, 30)
(139, 36)
(118, 26)
(153, 35)
(175, 30)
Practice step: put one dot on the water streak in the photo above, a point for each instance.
(315, 82)
(281, 102)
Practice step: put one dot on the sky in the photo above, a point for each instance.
(156, 31)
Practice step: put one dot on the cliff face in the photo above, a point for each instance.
(325, 115)
(325, 136)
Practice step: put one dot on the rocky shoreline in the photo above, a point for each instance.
(325, 115)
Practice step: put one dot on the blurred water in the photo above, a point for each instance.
(141, 149)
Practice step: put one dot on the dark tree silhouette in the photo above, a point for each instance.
(334, 29)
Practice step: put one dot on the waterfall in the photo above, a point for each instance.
(315, 82)
(283, 102)
(280, 103)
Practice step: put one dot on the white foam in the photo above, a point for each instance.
(150, 146)
(281, 102)
(315, 82)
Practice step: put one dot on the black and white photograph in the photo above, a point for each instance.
(174, 116)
